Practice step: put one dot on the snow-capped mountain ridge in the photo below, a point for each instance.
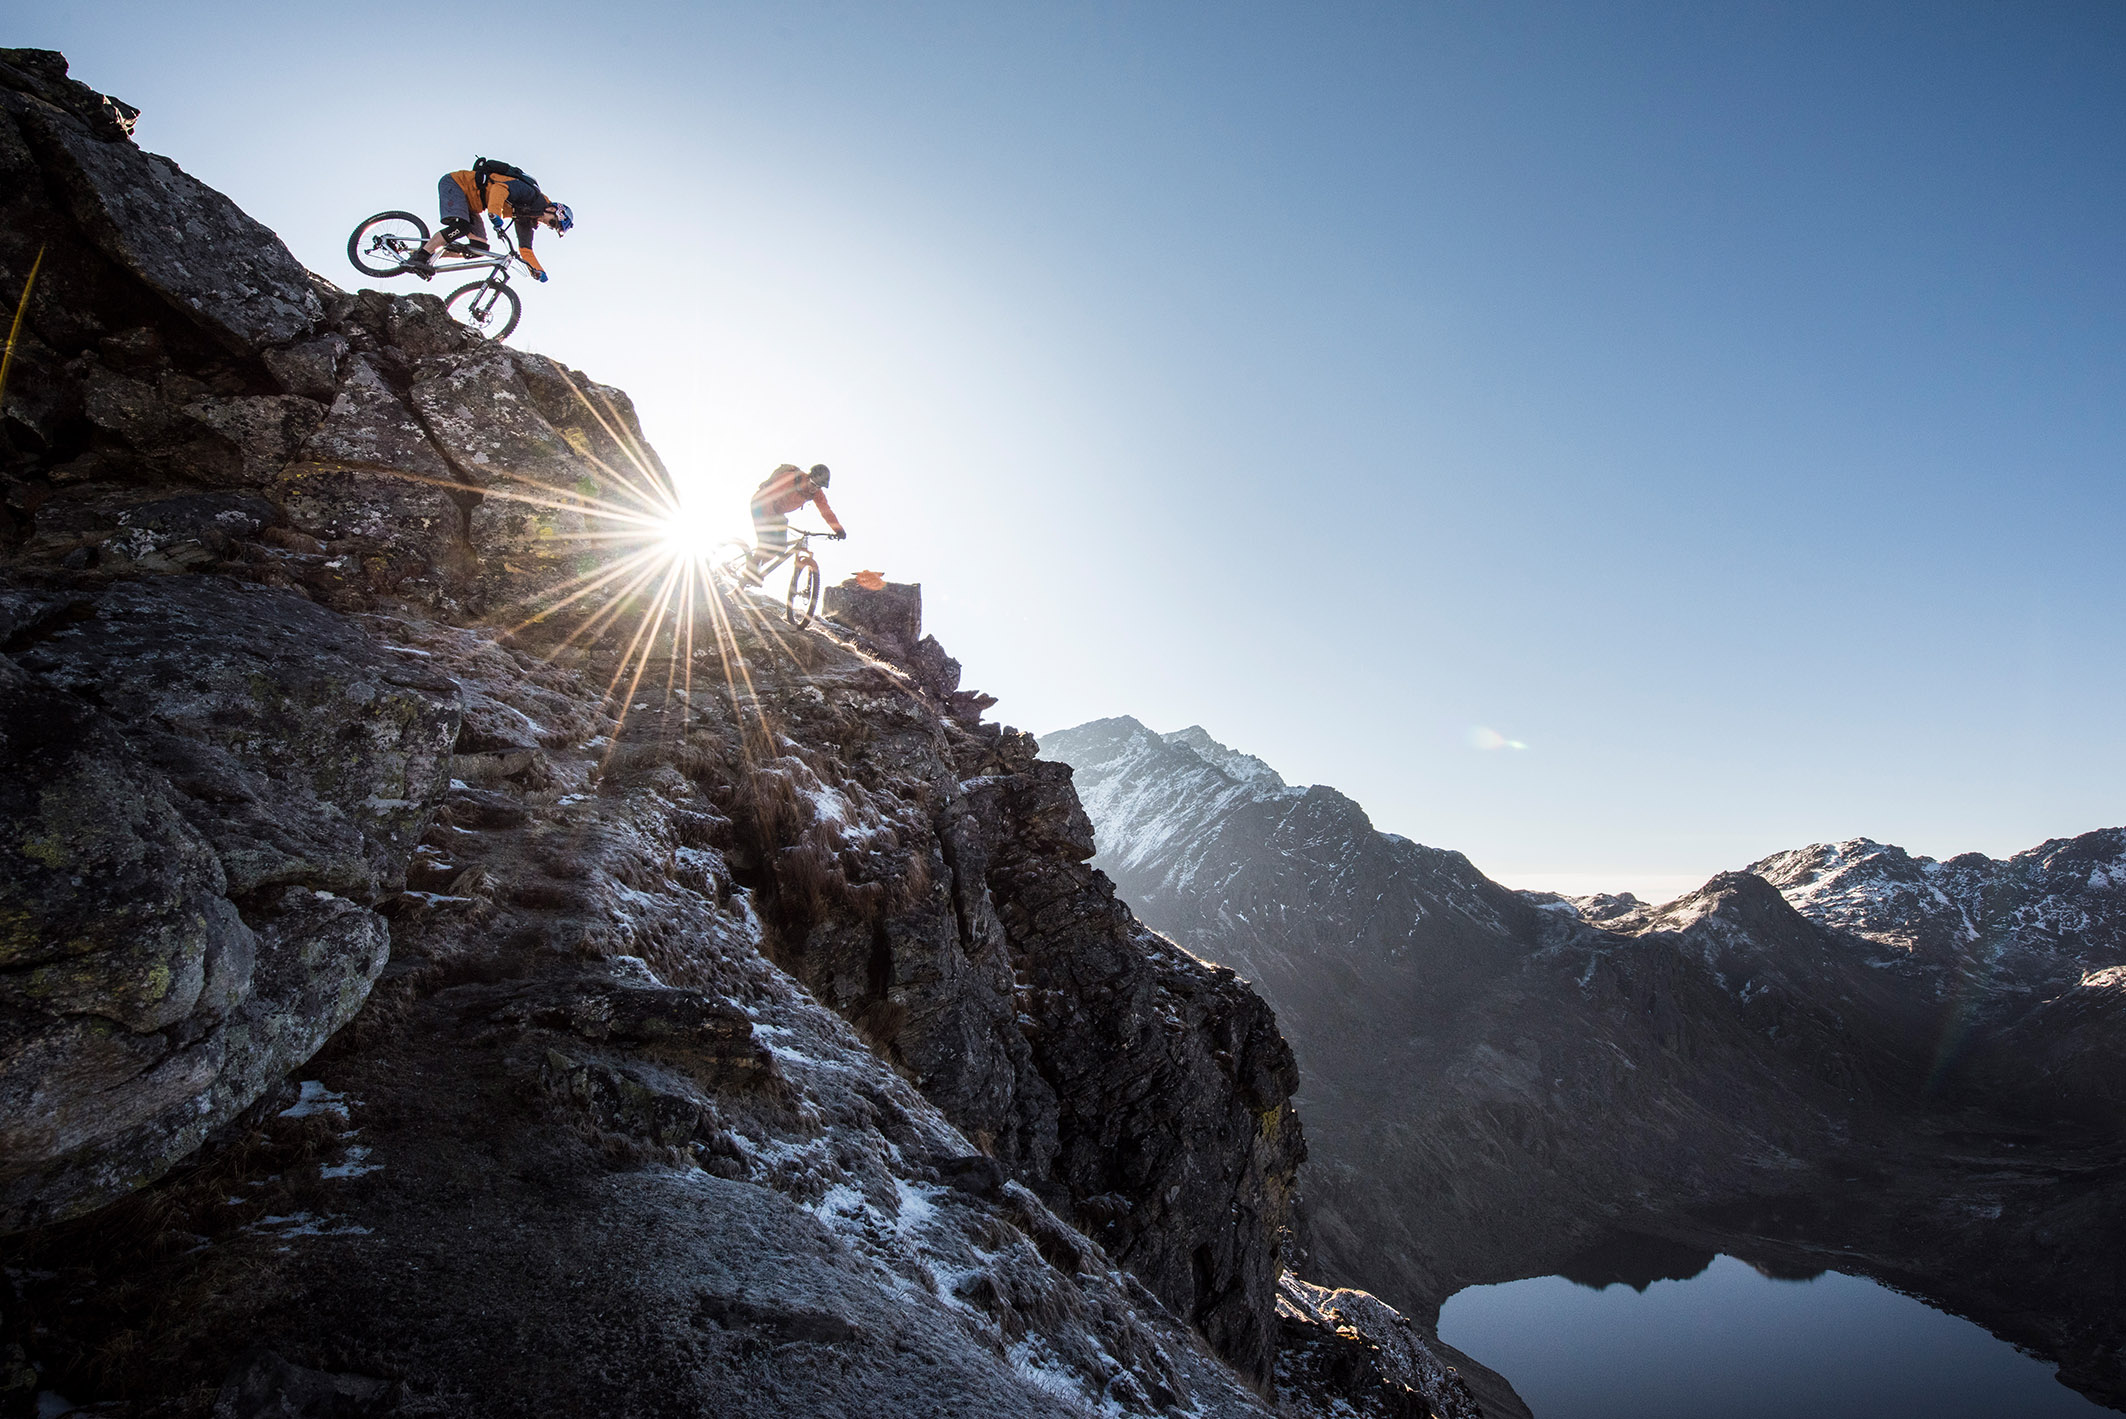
(1169, 789)
(1245, 767)
(2046, 903)
(1166, 807)
(2033, 911)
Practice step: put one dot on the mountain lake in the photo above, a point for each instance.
(1735, 1343)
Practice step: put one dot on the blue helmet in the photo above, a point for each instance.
(564, 216)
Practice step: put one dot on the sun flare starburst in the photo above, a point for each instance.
(652, 577)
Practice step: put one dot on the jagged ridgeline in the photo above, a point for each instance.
(453, 962)
(1838, 1057)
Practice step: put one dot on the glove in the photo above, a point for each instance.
(524, 255)
(839, 537)
(501, 226)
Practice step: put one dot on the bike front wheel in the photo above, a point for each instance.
(380, 246)
(491, 310)
(803, 600)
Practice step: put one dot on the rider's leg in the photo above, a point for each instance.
(455, 212)
(771, 533)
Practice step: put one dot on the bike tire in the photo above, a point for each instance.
(505, 299)
(803, 602)
(383, 224)
(729, 562)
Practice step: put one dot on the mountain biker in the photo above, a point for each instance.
(786, 490)
(503, 193)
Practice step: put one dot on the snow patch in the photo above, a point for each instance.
(307, 1224)
(315, 1099)
(1042, 1368)
(355, 1164)
(917, 1205)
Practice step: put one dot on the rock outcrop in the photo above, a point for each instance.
(1364, 1358)
(438, 975)
(1841, 1056)
(887, 620)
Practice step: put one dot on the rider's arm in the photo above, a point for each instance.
(825, 511)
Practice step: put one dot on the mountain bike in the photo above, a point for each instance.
(384, 244)
(739, 564)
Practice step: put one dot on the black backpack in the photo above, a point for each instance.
(485, 168)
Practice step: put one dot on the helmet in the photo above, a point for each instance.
(564, 217)
(819, 474)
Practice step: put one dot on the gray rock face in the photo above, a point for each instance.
(1842, 1053)
(588, 1114)
(935, 894)
(1175, 1140)
(210, 787)
(486, 1001)
(177, 236)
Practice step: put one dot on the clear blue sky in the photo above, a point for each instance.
(1722, 400)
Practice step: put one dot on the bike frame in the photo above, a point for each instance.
(464, 259)
(751, 566)
(800, 549)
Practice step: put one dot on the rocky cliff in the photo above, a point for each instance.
(1840, 1056)
(453, 962)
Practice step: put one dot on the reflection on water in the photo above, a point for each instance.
(1660, 1331)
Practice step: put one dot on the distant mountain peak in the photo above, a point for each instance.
(1245, 767)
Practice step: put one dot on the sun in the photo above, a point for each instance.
(687, 532)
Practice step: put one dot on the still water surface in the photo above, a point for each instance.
(1732, 1343)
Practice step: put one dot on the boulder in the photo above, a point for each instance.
(207, 789)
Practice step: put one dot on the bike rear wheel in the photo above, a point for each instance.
(492, 310)
(730, 562)
(803, 600)
(380, 246)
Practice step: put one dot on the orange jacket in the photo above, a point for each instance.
(496, 204)
(495, 201)
(787, 489)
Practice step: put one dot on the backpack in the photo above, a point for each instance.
(525, 198)
(485, 168)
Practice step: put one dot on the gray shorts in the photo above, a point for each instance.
(450, 198)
